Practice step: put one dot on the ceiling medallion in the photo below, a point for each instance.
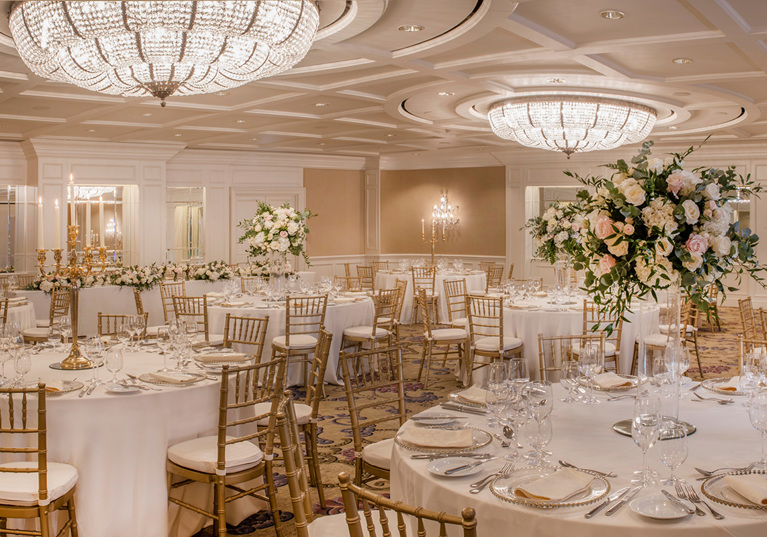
(571, 123)
(158, 48)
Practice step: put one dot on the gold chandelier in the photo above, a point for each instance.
(571, 123)
(162, 48)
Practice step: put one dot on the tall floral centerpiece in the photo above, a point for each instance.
(272, 234)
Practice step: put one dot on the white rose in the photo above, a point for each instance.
(258, 227)
(712, 191)
(292, 228)
(283, 244)
(691, 182)
(721, 245)
(46, 286)
(691, 211)
(663, 247)
(620, 249)
(695, 263)
(634, 193)
(656, 165)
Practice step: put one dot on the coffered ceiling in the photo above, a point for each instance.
(367, 88)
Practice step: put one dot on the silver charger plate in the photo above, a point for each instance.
(456, 398)
(503, 488)
(624, 427)
(480, 439)
(68, 387)
(196, 377)
(718, 490)
(630, 378)
(712, 385)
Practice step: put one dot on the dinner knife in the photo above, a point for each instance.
(432, 456)
(623, 502)
(689, 510)
(614, 497)
(466, 409)
(434, 417)
(451, 471)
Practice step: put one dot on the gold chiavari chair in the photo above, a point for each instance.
(167, 291)
(242, 450)
(373, 380)
(441, 336)
(527, 281)
(251, 284)
(379, 266)
(511, 271)
(308, 413)
(295, 465)
(347, 283)
(748, 319)
(4, 310)
(149, 331)
(194, 309)
(304, 318)
(596, 319)
(59, 309)
(485, 265)
(246, 331)
(712, 315)
(747, 346)
(553, 350)
(425, 278)
(367, 277)
(30, 486)
(109, 324)
(382, 329)
(401, 286)
(25, 280)
(494, 276)
(763, 319)
(348, 270)
(486, 334)
(455, 298)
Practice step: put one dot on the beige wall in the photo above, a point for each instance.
(407, 196)
(336, 196)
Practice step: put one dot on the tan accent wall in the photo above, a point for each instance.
(407, 196)
(336, 196)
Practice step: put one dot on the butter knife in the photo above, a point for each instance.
(689, 510)
(460, 408)
(623, 502)
(614, 497)
(451, 471)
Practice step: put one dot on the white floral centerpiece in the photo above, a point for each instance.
(215, 270)
(656, 223)
(276, 230)
(558, 232)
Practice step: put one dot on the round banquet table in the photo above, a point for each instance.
(387, 279)
(537, 316)
(583, 436)
(337, 318)
(118, 444)
(22, 314)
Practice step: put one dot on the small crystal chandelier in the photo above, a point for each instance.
(571, 123)
(444, 214)
(162, 48)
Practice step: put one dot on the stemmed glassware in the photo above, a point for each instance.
(590, 362)
(497, 391)
(54, 336)
(22, 363)
(673, 449)
(164, 343)
(114, 362)
(645, 430)
(138, 324)
(538, 433)
(757, 413)
(124, 335)
(540, 399)
(568, 378)
(94, 348)
(751, 375)
(66, 329)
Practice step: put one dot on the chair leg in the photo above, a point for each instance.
(72, 517)
(423, 359)
(272, 491)
(219, 501)
(315, 460)
(427, 365)
(697, 354)
(45, 528)
(635, 359)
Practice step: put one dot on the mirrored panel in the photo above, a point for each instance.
(100, 216)
(185, 217)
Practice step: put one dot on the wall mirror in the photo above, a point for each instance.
(185, 217)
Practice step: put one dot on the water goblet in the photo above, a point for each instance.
(164, 343)
(757, 414)
(645, 430)
(590, 363)
(22, 363)
(568, 378)
(538, 434)
(539, 398)
(496, 393)
(94, 347)
(66, 329)
(54, 336)
(124, 334)
(114, 362)
(673, 449)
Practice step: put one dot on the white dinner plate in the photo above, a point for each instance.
(658, 507)
(438, 466)
(122, 389)
(434, 421)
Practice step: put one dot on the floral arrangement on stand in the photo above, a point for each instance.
(215, 270)
(656, 224)
(276, 231)
(558, 232)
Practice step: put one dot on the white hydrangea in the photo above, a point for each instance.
(660, 214)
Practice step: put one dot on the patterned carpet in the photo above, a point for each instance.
(718, 354)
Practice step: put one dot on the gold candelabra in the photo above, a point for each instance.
(433, 239)
(74, 271)
(443, 215)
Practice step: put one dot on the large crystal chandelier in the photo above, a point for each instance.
(162, 48)
(571, 123)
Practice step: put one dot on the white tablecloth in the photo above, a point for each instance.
(118, 444)
(475, 281)
(337, 318)
(23, 316)
(115, 299)
(583, 436)
(555, 320)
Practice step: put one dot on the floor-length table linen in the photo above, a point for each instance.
(583, 436)
(338, 317)
(475, 281)
(22, 314)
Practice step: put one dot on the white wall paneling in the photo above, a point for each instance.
(372, 212)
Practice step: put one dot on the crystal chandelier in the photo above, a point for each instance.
(571, 123)
(444, 214)
(162, 48)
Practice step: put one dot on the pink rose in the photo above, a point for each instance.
(697, 244)
(606, 264)
(268, 217)
(675, 182)
(604, 227)
(711, 204)
(283, 234)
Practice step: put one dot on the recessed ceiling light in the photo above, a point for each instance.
(612, 14)
(556, 81)
(147, 114)
(446, 93)
(682, 61)
(321, 143)
(672, 127)
(91, 130)
(240, 121)
(390, 136)
(411, 28)
(254, 139)
(416, 154)
(177, 134)
(320, 104)
(222, 93)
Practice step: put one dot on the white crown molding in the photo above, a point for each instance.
(254, 158)
(50, 148)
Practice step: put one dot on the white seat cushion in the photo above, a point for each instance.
(297, 341)
(656, 340)
(490, 344)
(336, 526)
(214, 340)
(22, 489)
(664, 329)
(461, 321)
(365, 332)
(609, 348)
(201, 454)
(35, 332)
(151, 331)
(43, 323)
(379, 453)
(443, 334)
(303, 412)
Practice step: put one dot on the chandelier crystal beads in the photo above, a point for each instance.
(571, 123)
(162, 48)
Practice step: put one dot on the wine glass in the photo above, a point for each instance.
(750, 376)
(164, 343)
(645, 430)
(540, 399)
(497, 393)
(591, 364)
(66, 329)
(516, 416)
(673, 449)
(124, 334)
(518, 372)
(94, 348)
(114, 362)
(22, 363)
(138, 324)
(568, 378)
(54, 336)
(757, 413)
(538, 434)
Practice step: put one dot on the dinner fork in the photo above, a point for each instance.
(477, 487)
(717, 399)
(694, 498)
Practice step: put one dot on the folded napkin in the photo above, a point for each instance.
(522, 304)
(215, 357)
(17, 299)
(172, 378)
(214, 294)
(345, 300)
(541, 293)
(438, 438)
(473, 394)
(16, 304)
(559, 486)
(611, 380)
(233, 304)
(753, 487)
(732, 385)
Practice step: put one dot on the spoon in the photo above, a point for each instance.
(508, 432)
